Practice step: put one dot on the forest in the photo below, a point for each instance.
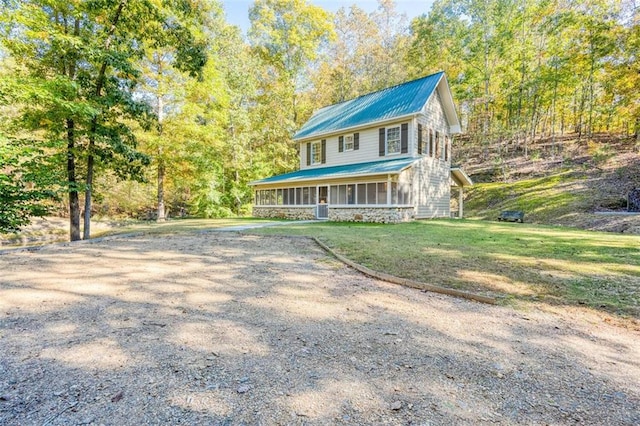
(160, 108)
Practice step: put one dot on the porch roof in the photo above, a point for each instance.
(459, 177)
(394, 166)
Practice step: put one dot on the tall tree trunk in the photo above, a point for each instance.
(553, 111)
(161, 164)
(591, 84)
(161, 172)
(74, 204)
(485, 122)
(88, 193)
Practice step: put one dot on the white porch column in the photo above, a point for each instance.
(388, 189)
(460, 198)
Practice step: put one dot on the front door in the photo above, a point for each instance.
(322, 209)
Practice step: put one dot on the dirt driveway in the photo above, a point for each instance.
(222, 328)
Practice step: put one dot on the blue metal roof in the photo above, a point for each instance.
(363, 169)
(396, 101)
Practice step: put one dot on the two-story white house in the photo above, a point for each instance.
(381, 157)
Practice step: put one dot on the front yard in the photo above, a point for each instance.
(514, 262)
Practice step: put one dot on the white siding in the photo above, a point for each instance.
(431, 188)
(367, 152)
(432, 117)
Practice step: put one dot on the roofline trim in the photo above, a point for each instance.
(346, 175)
(359, 126)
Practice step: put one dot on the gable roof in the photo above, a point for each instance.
(393, 102)
(362, 169)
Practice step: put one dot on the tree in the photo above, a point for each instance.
(522, 69)
(285, 34)
(77, 77)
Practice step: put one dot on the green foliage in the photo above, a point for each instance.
(18, 204)
(534, 67)
(25, 185)
(76, 72)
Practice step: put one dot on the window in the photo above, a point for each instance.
(447, 145)
(333, 194)
(424, 143)
(348, 143)
(351, 194)
(362, 193)
(393, 140)
(316, 153)
(382, 193)
(305, 195)
(431, 143)
(404, 193)
(342, 194)
(371, 193)
(438, 146)
(298, 196)
(394, 192)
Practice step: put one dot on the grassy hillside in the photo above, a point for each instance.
(571, 187)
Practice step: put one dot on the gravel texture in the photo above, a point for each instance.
(230, 329)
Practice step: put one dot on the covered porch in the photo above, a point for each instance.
(367, 192)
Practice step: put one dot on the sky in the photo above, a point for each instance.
(238, 10)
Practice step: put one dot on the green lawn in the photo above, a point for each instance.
(506, 260)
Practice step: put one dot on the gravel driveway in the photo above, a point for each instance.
(230, 329)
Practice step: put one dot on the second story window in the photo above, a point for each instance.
(316, 153)
(348, 143)
(447, 147)
(423, 141)
(431, 148)
(393, 140)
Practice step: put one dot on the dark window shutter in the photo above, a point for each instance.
(340, 143)
(381, 148)
(430, 142)
(308, 153)
(356, 141)
(324, 151)
(404, 138)
(419, 138)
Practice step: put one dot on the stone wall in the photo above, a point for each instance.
(369, 214)
(282, 212)
(354, 214)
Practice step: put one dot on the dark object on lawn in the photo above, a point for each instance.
(511, 216)
(633, 201)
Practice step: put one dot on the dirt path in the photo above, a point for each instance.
(220, 328)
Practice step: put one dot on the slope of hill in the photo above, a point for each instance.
(567, 182)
